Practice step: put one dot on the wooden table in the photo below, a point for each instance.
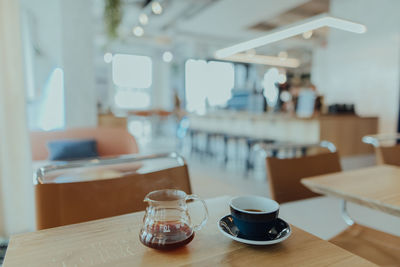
(376, 187)
(114, 242)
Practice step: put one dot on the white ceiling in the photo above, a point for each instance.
(220, 19)
(230, 19)
(217, 23)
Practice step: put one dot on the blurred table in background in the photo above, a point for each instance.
(151, 112)
(156, 117)
(143, 124)
(374, 187)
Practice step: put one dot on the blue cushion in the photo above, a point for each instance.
(72, 149)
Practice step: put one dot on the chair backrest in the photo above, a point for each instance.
(387, 149)
(388, 155)
(110, 141)
(60, 202)
(284, 174)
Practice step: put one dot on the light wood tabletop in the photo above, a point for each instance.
(376, 187)
(115, 242)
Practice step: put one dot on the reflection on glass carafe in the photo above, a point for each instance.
(167, 224)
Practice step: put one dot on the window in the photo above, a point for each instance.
(132, 75)
(207, 82)
(47, 113)
(132, 71)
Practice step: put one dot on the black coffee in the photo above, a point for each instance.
(177, 236)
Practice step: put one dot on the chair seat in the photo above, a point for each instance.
(376, 246)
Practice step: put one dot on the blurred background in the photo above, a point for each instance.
(149, 67)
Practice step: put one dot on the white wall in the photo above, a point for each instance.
(162, 94)
(78, 63)
(363, 69)
(42, 24)
(63, 33)
(16, 188)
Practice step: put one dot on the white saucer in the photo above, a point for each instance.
(227, 227)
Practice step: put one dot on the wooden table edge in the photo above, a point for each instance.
(367, 202)
(226, 197)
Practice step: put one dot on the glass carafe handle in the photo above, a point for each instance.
(203, 222)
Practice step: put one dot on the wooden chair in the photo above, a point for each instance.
(110, 141)
(387, 149)
(60, 202)
(284, 179)
(284, 174)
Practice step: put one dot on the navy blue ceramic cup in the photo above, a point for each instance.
(254, 215)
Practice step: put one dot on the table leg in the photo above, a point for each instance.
(345, 215)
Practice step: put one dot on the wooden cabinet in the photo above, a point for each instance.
(346, 132)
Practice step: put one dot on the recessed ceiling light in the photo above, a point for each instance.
(310, 24)
(108, 57)
(143, 19)
(167, 56)
(156, 8)
(138, 31)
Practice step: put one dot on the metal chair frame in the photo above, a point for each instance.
(323, 144)
(41, 172)
(277, 146)
(377, 139)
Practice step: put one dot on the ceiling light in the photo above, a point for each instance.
(108, 57)
(281, 33)
(156, 8)
(307, 35)
(167, 56)
(283, 55)
(143, 19)
(138, 31)
(264, 60)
